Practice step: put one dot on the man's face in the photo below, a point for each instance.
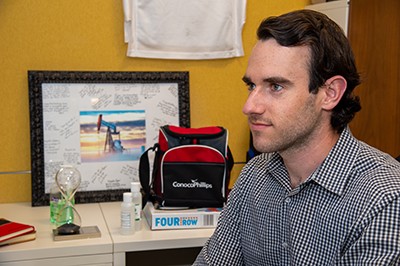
(283, 116)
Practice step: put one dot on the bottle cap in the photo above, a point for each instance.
(127, 197)
(135, 187)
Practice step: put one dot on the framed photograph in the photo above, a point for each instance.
(99, 122)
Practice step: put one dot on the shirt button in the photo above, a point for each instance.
(287, 200)
(285, 245)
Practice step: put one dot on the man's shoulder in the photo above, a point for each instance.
(379, 171)
(371, 159)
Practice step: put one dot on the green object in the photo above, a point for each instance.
(57, 203)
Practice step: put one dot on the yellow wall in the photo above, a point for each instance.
(87, 35)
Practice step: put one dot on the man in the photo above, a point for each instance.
(320, 197)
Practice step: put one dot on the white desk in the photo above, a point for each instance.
(44, 251)
(111, 249)
(146, 239)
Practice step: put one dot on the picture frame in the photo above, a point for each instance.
(122, 111)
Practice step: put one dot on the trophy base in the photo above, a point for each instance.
(84, 232)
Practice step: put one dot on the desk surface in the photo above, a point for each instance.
(110, 247)
(146, 239)
(44, 246)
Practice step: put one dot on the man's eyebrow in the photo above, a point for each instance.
(246, 79)
(271, 80)
(278, 80)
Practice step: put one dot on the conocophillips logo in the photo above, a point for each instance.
(193, 184)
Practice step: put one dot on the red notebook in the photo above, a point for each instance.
(10, 229)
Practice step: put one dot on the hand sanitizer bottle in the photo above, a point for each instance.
(137, 204)
(127, 215)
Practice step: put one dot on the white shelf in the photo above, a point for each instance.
(146, 239)
(109, 249)
(43, 250)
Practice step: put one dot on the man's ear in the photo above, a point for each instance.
(334, 89)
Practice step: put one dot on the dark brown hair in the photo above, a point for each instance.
(331, 54)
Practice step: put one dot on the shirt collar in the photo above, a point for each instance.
(335, 170)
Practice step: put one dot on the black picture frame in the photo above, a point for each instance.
(52, 80)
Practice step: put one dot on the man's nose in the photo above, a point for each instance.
(253, 104)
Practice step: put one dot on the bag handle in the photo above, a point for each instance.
(201, 132)
(229, 163)
(144, 173)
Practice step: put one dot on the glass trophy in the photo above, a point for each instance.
(68, 219)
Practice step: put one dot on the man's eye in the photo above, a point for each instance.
(276, 87)
(251, 86)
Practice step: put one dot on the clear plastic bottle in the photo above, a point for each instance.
(127, 215)
(57, 202)
(137, 204)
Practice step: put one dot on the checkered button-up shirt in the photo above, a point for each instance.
(346, 213)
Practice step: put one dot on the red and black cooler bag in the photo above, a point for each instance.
(191, 167)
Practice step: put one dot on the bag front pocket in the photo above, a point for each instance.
(193, 176)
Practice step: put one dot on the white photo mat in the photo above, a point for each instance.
(99, 122)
